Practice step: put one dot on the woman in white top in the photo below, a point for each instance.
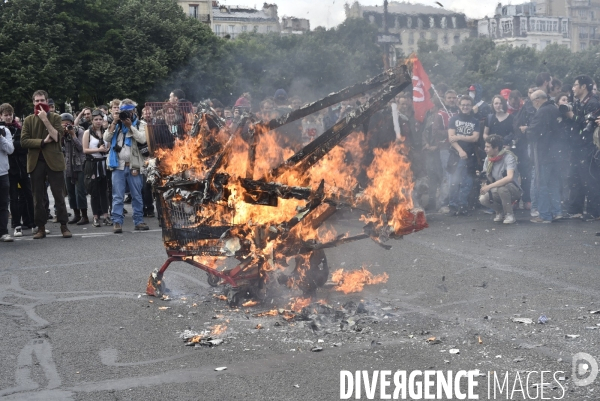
(95, 177)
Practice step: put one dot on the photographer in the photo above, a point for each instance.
(95, 174)
(125, 160)
(84, 118)
(501, 188)
(6, 148)
(544, 137)
(584, 173)
(75, 158)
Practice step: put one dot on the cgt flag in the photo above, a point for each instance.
(421, 84)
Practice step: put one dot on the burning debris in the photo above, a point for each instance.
(237, 192)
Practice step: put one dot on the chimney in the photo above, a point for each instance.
(270, 10)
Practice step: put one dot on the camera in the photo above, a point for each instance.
(125, 114)
(565, 108)
(69, 127)
(117, 148)
(591, 121)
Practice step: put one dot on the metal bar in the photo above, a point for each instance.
(211, 271)
(333, 99)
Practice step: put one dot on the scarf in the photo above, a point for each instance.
(499, 157)
(113, 156)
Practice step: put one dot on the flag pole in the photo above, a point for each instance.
(441, 101)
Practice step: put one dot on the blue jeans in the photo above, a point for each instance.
(121, 178)
(461, 183)
(445, 187)
(548, 194)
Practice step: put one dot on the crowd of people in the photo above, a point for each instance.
(537, 152)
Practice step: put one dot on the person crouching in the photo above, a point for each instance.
(502, 189)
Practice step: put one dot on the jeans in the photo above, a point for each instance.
(461, 183)
(445, 187)
(4, 202)
(21, 200)
(548, 194)
(76, 192)
(533, 191)
(121, 178)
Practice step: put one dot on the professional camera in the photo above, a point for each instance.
(125, 114)
(69, 127)
(565, 108)
(591, 121)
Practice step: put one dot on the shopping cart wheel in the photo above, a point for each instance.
(233, 298)
(213, 280)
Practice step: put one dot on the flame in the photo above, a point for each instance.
(272, 312)
(218, 329)
(355, 280)
(250, 303)
(298, 304)
(220, 297)
(288, 315)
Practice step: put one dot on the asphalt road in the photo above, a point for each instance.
(75, 323)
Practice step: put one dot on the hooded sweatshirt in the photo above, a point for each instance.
(6, 148)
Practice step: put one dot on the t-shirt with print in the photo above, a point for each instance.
(465, 125)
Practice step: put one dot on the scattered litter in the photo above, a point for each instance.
(498, 356)
(595, 312)
(337, 344)
(572, 336)
(221, 368)
(320, 340)
(258, 326)
(316, 349)
(454, 351)
(479, 340)
(524, 320)
(139, 296)
(47, 271)
(517, 360)
(542, 319)
(591, 328)
(297, 386)
(458, 235)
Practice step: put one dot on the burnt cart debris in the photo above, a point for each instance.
(238, 192)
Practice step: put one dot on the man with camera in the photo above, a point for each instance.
(74, 158)
(584, 174)
(544, 137)
(6, 148)
(501, 188)
(41, 134)
(126, 134)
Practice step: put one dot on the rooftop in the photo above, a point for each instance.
(396, 7)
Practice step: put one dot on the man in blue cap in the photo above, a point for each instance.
(125, 160)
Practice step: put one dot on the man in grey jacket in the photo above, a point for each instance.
(6, 148)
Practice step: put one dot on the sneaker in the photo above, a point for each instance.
(557, 217)
(499, 217)
(127, 199)
(540, 220)
(574, 216)
(142, 227)
(107, 221)
(6, 238)
(510, 219)
(117, 229)
(18, 231)
(96, 222)
(534, 213)
(444, 210)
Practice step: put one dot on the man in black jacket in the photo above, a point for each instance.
(543, 134)
(584, 174)
(21, 197)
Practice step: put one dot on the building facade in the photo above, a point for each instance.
(524, 30)
(409, 23)
(577, 21)
(198, 9)
(230, 21)
(294, 25)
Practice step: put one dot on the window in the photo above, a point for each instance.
(409, 22)
(231, 29)
(218, 30)
(255, 28)
(419, 23)
(583, 32)
(244, 28)
(507, 27)
(554, 26)
(193, 11)
(431, 22)
(269, 28)
(443, 23)
(411, 38)
(532, 24)
(582, 46)
(454, 22)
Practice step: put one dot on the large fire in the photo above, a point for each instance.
(242, 192)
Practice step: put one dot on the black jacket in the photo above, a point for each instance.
(583, 141)
(17, 161)
(544, 132)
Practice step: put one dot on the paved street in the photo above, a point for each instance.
(75, 323)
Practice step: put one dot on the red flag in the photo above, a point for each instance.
(421, 85)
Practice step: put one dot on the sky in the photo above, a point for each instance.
(330, 13)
